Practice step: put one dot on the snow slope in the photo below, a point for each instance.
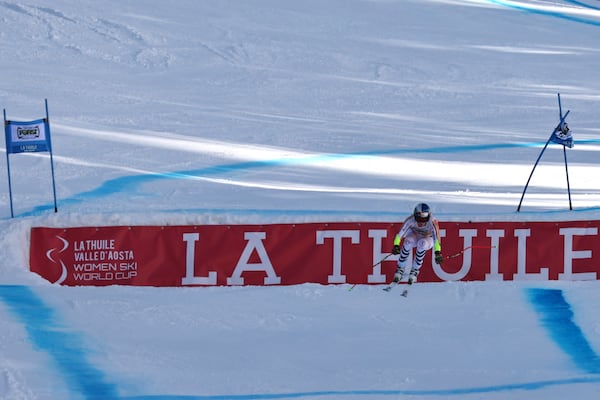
(230, 111)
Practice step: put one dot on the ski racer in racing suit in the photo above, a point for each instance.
(421, 231)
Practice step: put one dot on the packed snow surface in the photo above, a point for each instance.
(271, 111)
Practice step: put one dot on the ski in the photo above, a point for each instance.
(393, 284)
(390, 286)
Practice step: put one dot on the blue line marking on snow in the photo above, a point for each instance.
(582, 4)
(557, 317)
(127, 184)
(66, 351)
(551, 13)
(65, 348)
(339, 393)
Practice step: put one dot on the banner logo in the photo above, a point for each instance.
(28, 133)
(49, 255)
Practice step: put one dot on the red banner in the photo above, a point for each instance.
(325, 253)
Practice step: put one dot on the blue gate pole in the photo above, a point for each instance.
(567, 171)
(540, 156)
(559, 108)
(531, 174)
(51, 159)
(8, 168)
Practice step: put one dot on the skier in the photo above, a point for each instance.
(421, 231)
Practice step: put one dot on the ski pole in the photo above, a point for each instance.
(374, 265)
(467, 248)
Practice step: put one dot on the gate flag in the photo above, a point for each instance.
(562, 135)
(23, 137)
(28, 137)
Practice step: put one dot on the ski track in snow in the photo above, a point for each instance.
(126, 37)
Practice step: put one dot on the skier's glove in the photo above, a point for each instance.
(439, 259)
(396, 249)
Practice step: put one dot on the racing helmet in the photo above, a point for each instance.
(422, 212)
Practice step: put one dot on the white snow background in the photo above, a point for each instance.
(269, 111)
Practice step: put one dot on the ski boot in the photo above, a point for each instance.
(399, 274)
(412, 276)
